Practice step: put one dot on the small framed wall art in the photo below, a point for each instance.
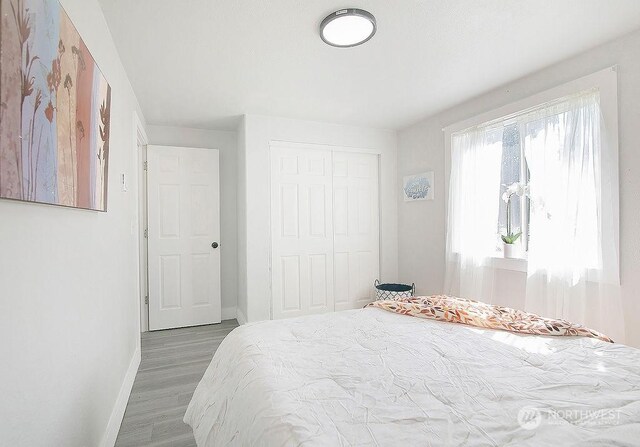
(418, 187)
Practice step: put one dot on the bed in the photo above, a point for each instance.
(373, 377)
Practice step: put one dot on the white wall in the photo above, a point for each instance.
(259, 131)
(69, 310)
(422, 226)
(226, 143)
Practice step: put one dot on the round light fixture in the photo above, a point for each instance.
(348, 28)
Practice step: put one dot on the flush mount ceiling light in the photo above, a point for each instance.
(348, 27)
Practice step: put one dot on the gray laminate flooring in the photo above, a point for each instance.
(173, 362)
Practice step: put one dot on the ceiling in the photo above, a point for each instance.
(203, 63)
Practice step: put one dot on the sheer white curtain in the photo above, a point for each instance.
(573, 247)
(474, 189)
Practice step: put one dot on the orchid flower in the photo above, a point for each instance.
(517, 188)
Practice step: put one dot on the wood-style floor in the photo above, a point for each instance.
(173, 362)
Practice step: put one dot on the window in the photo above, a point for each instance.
(563, 145)
(551, 145)
(536, 136)
(513, 169)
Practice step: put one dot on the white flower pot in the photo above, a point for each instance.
(511, 250)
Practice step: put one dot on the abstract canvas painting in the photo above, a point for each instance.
(54, 109)
(418, 187)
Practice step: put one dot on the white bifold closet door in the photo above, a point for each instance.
(356, 228)
(302, 232)
(325, 229)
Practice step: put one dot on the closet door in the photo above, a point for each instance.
(301, 231)
(356, 228)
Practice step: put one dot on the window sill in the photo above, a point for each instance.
(514, 264)
(498, 261)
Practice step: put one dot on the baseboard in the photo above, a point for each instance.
(113, 427)
(242, 319)
(228, 313)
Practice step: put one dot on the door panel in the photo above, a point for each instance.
(302, 232)
(356, 217)
(183, 222)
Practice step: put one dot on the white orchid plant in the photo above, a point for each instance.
(518, 189)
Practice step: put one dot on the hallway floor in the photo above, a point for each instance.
(173, 362)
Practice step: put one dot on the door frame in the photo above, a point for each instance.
(332, 148)
(140, 141)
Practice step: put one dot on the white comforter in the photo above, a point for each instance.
(371, 377)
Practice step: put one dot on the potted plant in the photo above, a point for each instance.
(510, 250)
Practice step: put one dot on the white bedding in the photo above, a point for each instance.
(371, 377)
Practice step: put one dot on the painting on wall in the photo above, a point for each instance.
(418, 187)
(54, 109)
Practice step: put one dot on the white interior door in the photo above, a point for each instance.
(356, 228)
(302, 232)
(184, 228)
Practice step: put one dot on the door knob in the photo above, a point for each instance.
(215, 245)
